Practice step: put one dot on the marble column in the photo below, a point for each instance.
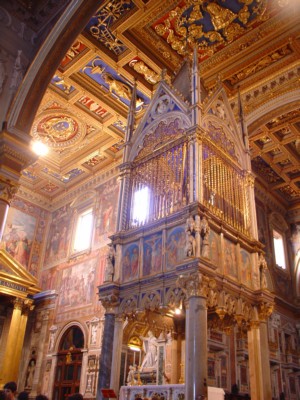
(110, 303)
(7, 191)
(258, 349)
(195, 287)
(116, 354)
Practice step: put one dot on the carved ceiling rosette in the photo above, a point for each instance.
(58, 129)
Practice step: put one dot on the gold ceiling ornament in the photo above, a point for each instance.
(209, 24)
(58, 129)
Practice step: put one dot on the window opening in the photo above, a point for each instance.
(279, 249)
(141, 205)
(84, 229)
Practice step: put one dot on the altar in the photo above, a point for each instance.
(164, 392)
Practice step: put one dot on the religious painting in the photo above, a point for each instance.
(77, 286)
(214, 248)
(175, 246)
(49, 278)
(292, 385)
(106, 211)
(243, 375)
(230, 259)
(223, 372)
(152, 259)
(211, 368)
(245, 267)
(59, 235)
(18, 235)
(130, 262)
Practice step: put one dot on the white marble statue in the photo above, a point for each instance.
(110, 264)
(150, 348)
(131, 381)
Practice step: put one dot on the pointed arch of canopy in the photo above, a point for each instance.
(218, 117)
(165, 109)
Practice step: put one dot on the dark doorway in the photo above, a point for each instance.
(69, 361)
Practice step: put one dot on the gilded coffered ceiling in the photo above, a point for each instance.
(250, 45)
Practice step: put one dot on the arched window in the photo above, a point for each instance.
(69, 361)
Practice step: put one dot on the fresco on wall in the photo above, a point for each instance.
(152, 259)
(130, 262)
(102, 257)
(211, 368)
(230, 260)
(245, 267)
(59, 235)
(214, 248)
(106, 210)
(48, 279)
(18, 236)
(77, 286)
(175, 246)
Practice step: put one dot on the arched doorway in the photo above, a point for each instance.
(69, 361)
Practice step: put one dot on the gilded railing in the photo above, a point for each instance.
(165, 175)
(225, 190)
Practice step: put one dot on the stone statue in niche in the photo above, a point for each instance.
(17, 73)
(205, 229)
(89, 383)
(94, 330)
(131, 381)
(190, 246)
(263, 267)
(220, 110)
(51, 341)
(30, 373)
(150, 348)
(110, 264)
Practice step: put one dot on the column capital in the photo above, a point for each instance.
(24, 305)
(110, 302)
(195, 284)
(18, 303)
(265, 309)
(250, 178)
(8, 189)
